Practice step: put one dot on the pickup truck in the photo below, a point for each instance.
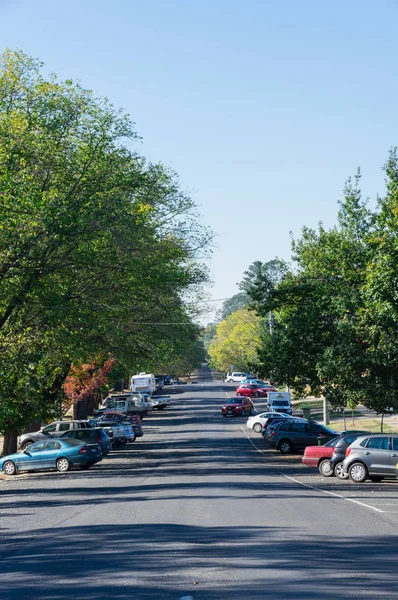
(130, 404)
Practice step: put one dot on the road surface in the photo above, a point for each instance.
(197, 509)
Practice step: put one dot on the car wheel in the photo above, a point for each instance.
(63, 465)
(340, 472)
(9, 468)
(256, 395)
(238, 394)
(257, 427)
(358, 472)
(285, 446)
(26, 445)
(325, 468)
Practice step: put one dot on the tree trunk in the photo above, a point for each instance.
(10, 441)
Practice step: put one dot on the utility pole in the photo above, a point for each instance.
(270, 322)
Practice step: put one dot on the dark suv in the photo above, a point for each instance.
(94, 435)
(292, 435)
(237, 407)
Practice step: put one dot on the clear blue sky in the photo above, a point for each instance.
(263, 107)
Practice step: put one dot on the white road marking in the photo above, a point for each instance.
(252, 443)
(312, 487)
(186, 598)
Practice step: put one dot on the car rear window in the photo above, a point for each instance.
(72, 442)
(280, 403)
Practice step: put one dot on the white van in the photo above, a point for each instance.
(143, 382)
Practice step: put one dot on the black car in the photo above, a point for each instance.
(293, 434)
(95, 435)
(336, 461)
(271, 424)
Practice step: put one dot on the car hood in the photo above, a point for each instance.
(10, 457)
(232, 405)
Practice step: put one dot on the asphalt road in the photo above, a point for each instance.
(197, 509)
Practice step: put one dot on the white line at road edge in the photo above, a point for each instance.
(311, 487)
(252, 443)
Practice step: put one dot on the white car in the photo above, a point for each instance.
(236, 376)
(258, 421)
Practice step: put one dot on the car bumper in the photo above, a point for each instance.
(310, 462)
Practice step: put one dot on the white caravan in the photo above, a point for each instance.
(143, 382)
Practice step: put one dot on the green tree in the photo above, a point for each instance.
(236, 341)
(97, 248)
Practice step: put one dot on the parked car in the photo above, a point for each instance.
(338, 456)
(114, 429)
(251, 390)
(93, 435)
(372, 456)
(168, 380)
(238, 407)
(257, 422)
(292, 434)
(236, 376)
(272, 423)
(54, 429)
(117, 417)
(60, 454)
(321, 456)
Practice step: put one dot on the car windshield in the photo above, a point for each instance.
(233, 400)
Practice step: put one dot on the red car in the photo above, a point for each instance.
(237, 407)
(319, 457)
(251, 389)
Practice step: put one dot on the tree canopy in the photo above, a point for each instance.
(98, 248)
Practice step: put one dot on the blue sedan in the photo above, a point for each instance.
(54, 454)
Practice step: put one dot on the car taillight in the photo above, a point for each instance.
(272, 433)
(348, 451)
(83, 450)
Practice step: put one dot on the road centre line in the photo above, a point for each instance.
(311, 487)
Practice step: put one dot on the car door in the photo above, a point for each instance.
(30, 458)
(50, 454)
(300, 435)
(378, 455)
(394, 454)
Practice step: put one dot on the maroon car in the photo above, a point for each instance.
(319, 456)
(238, 407)
(251, 389)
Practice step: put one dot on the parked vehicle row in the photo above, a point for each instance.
(352, 454)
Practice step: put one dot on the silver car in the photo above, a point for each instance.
(372, 457)
(55, 429)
